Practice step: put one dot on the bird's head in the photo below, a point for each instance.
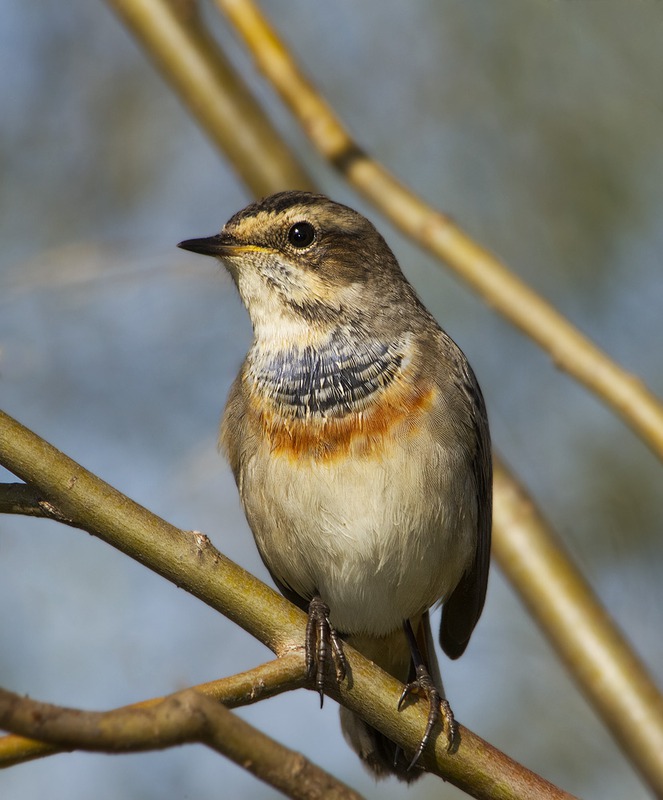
(303, 263)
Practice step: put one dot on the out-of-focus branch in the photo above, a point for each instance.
(182, 718)
(191, 562)
(282, 675)
(500, 288)
(171, 33)
(606, 668)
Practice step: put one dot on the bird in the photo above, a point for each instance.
(358, 438)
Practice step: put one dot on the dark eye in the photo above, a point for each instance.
(301, 234)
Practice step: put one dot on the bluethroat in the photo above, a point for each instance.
(358, 438)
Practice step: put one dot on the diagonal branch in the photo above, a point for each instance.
(182, 718)
(191, 562)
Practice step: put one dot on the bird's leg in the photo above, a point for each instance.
(423, 685)
(320, 636)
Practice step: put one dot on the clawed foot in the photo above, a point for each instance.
(437, 706)
(319, 637)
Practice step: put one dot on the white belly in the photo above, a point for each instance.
(380, 540)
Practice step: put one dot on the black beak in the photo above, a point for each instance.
(218, 245)
(209, 246)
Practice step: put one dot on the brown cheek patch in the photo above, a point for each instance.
(396, 413)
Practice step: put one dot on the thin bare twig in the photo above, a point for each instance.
(281, 675)
(19, 498)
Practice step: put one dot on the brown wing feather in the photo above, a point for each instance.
(463, 608)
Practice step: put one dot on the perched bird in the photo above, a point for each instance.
(358, 438)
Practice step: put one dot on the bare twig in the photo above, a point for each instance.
(19, 498)
(182, 718)
(282, 675)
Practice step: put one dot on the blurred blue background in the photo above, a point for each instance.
(537, 126)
